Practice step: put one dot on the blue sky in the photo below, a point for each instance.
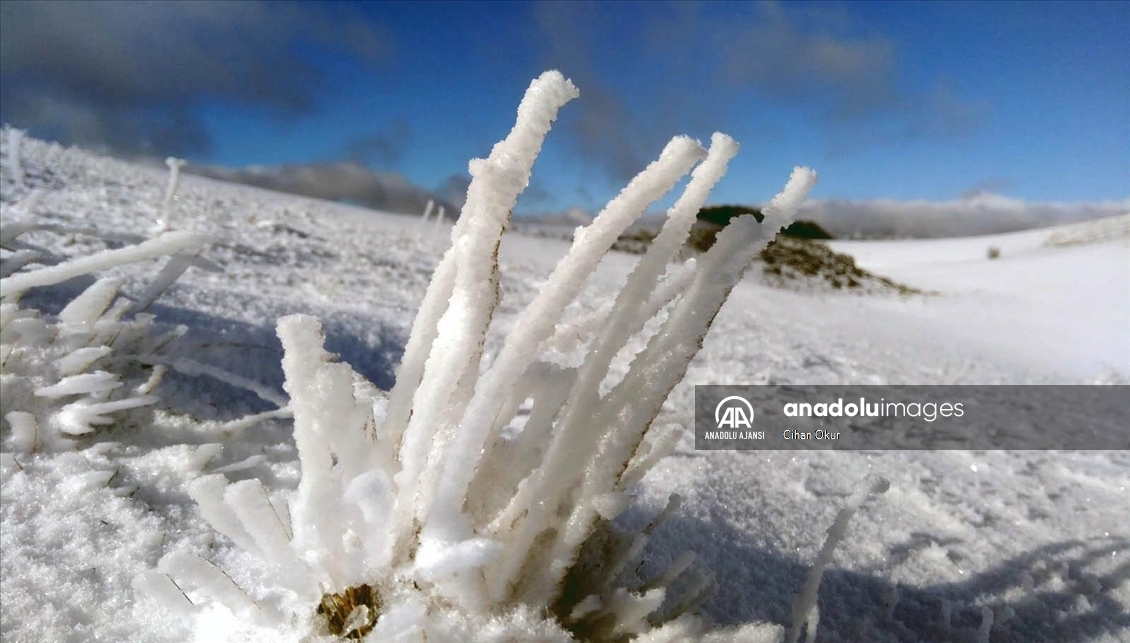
(887, 100)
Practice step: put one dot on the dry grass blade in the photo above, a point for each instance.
(338, 610)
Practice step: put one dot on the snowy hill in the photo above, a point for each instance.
(1037, 540)
(1065, 289)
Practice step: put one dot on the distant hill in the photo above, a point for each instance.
(342, 181)
(796, 259)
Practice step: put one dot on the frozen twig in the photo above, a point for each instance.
(166, 244)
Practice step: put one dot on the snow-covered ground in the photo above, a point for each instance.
(1065, 290)
(1041, 539)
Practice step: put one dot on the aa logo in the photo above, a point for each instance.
(734, 412)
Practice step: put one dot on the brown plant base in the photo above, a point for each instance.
(588, 575)
(336, 608)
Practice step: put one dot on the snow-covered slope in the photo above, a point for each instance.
(1058, 296)
(1039, 538)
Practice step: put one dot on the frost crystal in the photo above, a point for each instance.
(64, 376)
(418, 516)
(97, 362)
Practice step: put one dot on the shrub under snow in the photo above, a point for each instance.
(100, 358)
(425, 512)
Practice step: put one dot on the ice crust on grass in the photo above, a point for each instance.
(420, 515)
(99, 359)
(175, 165)
(15, 140)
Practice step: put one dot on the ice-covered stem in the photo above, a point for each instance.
(317, 523)
(628, 410)
(544, 97)
(166, 244)
(537, 322)
(169, 273)
(175, 165)
(805, 604)
(428, 210)
(15, 141)
(641, 283)
(576, 332)
(603, 437)
(574, 439)
(80, 352)
(451, 335)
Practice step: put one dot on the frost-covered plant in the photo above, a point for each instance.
(175, 165)
(15, 142)
(805, 614)
(424, 513)
(64, 375)
(171, 187)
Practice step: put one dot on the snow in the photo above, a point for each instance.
(1035, 541)
(1065, 289)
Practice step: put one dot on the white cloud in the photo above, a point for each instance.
(977, 213)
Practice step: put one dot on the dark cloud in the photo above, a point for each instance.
(797, 56)
(816, 59)
(604, 128)
(819, 57)
(979, 212)
(340, 181)
(385, 149)
(127, 131)
(80, 70)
